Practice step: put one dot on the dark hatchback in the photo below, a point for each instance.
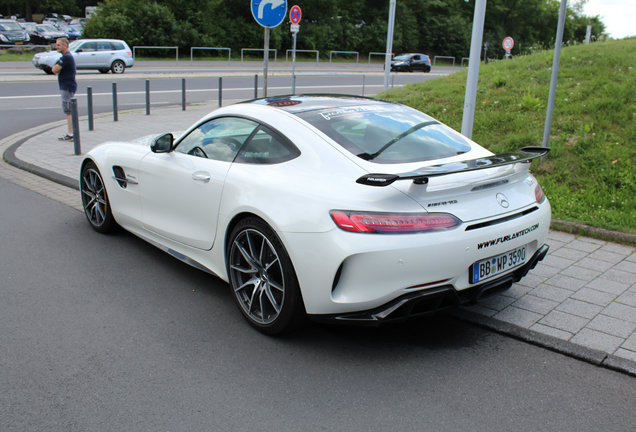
(410, 63)
(11, 33)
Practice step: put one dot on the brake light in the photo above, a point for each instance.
(538, 194)
(392, 223)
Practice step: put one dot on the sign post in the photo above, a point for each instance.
(508, 43)
(268, 14)
(294, 16)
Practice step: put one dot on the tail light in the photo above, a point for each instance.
(393, 223)
(538, 194)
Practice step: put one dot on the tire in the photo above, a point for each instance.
(103, 70)
(95, 200)
(48, 70)
(262, 278)
(427, 68)
(118, 67)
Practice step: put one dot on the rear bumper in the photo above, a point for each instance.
(435, 299)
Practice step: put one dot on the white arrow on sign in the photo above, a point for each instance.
(274, 4)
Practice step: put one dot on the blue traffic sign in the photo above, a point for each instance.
(269, 13)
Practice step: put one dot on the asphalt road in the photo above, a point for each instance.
(29, 97)
(103, 333)
(107, 333)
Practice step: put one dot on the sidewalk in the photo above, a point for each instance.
(580, 300)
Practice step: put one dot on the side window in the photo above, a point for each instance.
(219, 139)
(117, 46)
(88, 47)
(103, 46)
(267, 147)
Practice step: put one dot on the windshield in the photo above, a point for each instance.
(74, 44)
(388, 133)
(47, 28)
(10, 25)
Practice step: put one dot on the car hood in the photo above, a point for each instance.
(13, 33)
(52, 34)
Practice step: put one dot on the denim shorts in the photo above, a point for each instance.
(66, 100)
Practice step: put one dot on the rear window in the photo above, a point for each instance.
(388, 133)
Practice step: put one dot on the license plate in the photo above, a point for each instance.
(493, 266)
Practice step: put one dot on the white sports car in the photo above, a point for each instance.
(335, 207)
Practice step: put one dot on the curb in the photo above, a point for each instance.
(10, 157)
(570, 349)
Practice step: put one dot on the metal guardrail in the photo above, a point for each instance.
(443, 57)
(379, 54)
(465, 58)
(157, 47)
(229, 51)
(260, 50)
(307, 51)
(345, 52)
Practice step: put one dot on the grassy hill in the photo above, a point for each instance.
(590, 174)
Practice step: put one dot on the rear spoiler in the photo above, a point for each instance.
(421, 176)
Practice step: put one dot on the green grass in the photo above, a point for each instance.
(590, 174)
(16, 56)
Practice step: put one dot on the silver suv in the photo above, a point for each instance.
(101, 54)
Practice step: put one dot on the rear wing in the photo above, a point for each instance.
(421, 176)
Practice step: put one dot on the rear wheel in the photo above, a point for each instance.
(95, 199)
(118, 67)
(262, 278)
(48, 70)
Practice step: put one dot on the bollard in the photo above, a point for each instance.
(115, 118)
(75, 122)
(255, 86)
(364, 78)
(294, 83)
(220, 91)
(89, 97)
(147, 97)
(183, 99)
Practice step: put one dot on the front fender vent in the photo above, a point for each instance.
(120, 176)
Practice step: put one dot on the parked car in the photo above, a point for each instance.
(101, 54)
(410, 63)
(12, 33)
(44, 34)
(344, 208)
(71, 32)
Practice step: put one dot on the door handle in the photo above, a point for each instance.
(202, 177)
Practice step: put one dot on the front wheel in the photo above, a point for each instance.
(262, 278)
(118, 67)
(95, 199)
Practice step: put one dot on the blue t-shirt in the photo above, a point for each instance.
(66, 77)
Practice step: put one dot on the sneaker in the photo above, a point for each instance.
(66, 137)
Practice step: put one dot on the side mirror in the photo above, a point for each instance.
(162, 143)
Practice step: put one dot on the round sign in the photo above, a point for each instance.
(508, 43)
(269, 13)
(295, 14)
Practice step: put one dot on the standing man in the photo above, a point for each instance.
(65, 71)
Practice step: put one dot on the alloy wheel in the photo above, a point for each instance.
(257, 276)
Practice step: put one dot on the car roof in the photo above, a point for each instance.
(302, 103)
